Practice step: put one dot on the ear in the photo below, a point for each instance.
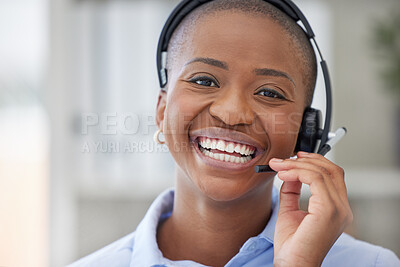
(161, 105)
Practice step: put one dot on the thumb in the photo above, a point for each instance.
(289, 196)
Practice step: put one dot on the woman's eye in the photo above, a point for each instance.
(204, 81)
(270, 93)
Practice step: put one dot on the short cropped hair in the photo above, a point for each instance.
(252, 7)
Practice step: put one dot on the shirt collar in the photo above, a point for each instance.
(146, 251)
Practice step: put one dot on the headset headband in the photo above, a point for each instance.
(286, 6)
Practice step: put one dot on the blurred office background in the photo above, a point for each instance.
(78, 89)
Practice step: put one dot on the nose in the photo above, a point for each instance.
(232, 107)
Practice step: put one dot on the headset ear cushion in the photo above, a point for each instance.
(309, 130)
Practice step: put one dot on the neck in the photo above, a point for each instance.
(211, 232)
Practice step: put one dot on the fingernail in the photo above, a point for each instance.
(276, 160)
(303, 153)
(282, 172)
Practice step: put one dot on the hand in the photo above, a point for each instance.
(304, 238)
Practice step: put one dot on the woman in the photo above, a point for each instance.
(240, 75)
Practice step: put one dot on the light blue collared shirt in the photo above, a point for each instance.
(140, 249)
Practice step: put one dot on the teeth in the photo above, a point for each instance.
(214, 144)
(221, 145)
(226, 146)
(203, 144)
(243, 150)
(208, 142)
(229, 148)
(225, 157)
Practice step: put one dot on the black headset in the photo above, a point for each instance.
(310, 131)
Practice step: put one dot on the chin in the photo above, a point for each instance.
(224, 189)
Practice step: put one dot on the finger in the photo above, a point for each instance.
(289, 196)
(337, 176)
(303, 163)
(337, 173)
(338, 195)
(307, 164)
(329, 165)
(321, 200)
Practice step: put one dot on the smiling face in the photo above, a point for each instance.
(235, 100)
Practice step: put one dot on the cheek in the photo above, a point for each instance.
(181, 111)
(286, 123)
(282, 128)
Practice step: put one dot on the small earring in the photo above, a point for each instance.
(157, 137)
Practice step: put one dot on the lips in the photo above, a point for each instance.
(226, 148)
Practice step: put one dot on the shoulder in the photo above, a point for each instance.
(116, 254)
(352, 252)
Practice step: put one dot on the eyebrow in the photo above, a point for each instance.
(209, 61)
(274, 73)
